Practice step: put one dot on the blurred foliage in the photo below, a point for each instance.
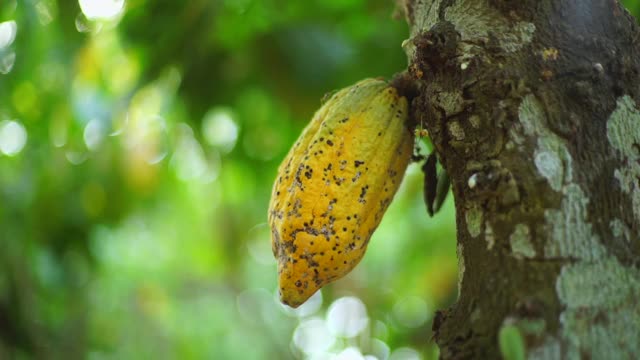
(138, 145)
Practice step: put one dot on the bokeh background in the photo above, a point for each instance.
(138, 145)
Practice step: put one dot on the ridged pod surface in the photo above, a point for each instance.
(335, 184)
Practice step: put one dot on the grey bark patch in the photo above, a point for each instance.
(477, 20)
(571, 235)
(455, 130)
(489, 237)
(619, 229)
(461, 267)
(474, 217)
(602, 316)
(551, 156)
(521, 34)
(451, 101)
(549, 350)
(549, 164)
(430, 13)
(623, 133)
(520, 241)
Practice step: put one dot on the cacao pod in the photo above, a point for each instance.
(335, 184)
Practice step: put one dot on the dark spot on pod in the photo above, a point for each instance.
(298, 283)
(344, 229)
(363, 191)
(329, 142)
(379, 134)
(307, 174)
(358, 163)
(344, 120)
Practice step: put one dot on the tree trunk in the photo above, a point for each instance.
(533, 107)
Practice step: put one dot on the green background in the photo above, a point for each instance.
(138, 147)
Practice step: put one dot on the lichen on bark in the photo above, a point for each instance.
(602, 316)
(551, 156)
(571, 235)
(623, 133)
(520, 241)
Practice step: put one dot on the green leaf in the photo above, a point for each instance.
(511, 343)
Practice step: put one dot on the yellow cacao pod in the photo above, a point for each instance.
(335, 184)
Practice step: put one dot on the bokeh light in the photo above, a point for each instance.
(13, 137)
(312, 336)
(411, 311)
(347, 317)
(350, 353)
(310, 307)
(93, 134)
(101, 9)
(8, 30)
(219, 129)
(7, 60)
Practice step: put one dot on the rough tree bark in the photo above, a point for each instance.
(534, 109)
